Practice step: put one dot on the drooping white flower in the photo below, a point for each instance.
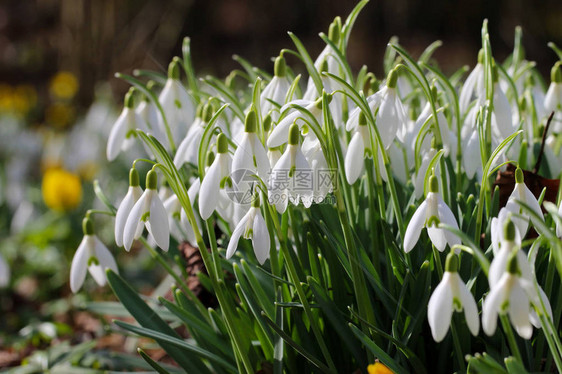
(188, 150)
(148, 113)
(280, 132)
(391, 117)
(474, 84)
(322, 176)
(522, 193)
(355, 157)
(502, 119)
(451, 295)
(4, 272)
(429, 214)
(276, 90)
(119, 137)
(215, 179)
(133, 195)
(180, 228)
(252, 226)
(553, 98)
(176, 103)
(291, 177)
(510, 245)
(498, 229)
(250, 154)
(513, 295)
(91, 255)
(148, 211)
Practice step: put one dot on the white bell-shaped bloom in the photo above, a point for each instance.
(553, 97)
(276, 90)
(148, 211)
(91, 255)
(133, 195)
(252, 226)
(4, 272)
(180, 228)
(148, 113)
(498, 231)
(510, 245)
(451, 295)
(522, 193)
(419, 180)
(280, 133)
(429, 214)
(176, 103)
(250, 154)
(502, 119)
(355, 157)
(373, 100)
(188, 150)
(513, 295)
(291, 177)
(119, 137)
(474, 84)
(322, 176)
(391, 117)
(215, 180)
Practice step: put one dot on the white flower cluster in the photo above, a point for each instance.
(246, 153)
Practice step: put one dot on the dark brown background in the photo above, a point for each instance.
(95, 38)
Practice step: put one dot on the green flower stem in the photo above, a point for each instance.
(510, 337)
(551, 343)
(214, 249)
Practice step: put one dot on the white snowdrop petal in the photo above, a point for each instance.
(123, 212)
(437, 237)
(262, 160)
(117, 135)
(79, 266)
(280, 133)
(414, 228)
(134, 223)
(242, 159)
(446, 216)
(236, 234)
(354, 158)
(209, 191)
(440, 310)
(519, 312)
(491, 306)
(469, 306)
(260, 238)
(158, 220)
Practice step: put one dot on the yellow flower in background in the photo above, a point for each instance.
(379, 368)
(64, 85)
(62, 190)
(59, 115)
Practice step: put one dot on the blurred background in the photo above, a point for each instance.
(59, 98)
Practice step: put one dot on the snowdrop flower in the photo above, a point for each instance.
(553, 98)
(252, 226)
(498, 229)
(250, 154)
(188, 150)
(119, 137)
(451, 295)
(391, 117)
(513, 295)
(4, 272)
(280, 133)
(373, 100)
(522, 193)
(216, 179)
(148, 211)
(175, 102)
(276, 90)
(148, 113)
(474, 84)
(429, 214)
(180, 228)
(359, 146)
(321, 175)
(290, 177)
(558, 224)
(510, 245)
(91, 255)
(133, 195)
(502, 119)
